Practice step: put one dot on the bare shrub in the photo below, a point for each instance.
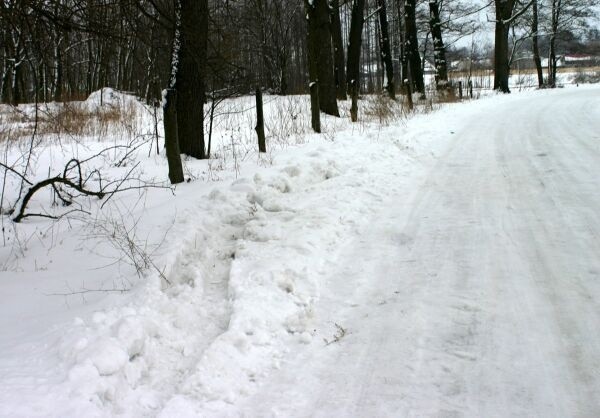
(288, 120)
(583, 77)
(75, 120)
(382, 109)
(72, 119)
(117, 230)
(448, 95)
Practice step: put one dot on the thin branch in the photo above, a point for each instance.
(12, 170)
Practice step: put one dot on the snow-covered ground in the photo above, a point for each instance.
(441, 265)
(483, 80)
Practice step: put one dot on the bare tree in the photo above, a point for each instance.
(189, 80)
(439, 50)
(505, 15)
(338, 50)
(313, 65)
(386, 52)
(354, 45)
(319, 33)
(565, 16)
(412, 47)
(535, 43)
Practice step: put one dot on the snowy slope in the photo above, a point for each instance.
(443, 268)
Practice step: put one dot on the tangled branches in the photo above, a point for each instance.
(70, 184)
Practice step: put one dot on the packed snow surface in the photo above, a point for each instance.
(444, 266)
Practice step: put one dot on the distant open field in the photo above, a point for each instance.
(483, 79)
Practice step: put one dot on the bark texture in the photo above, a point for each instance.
(319, 39)
(260, 122)
(193, 34)
(338, 51)
(439, 50)
(504, 11)
(384, 46)
(412, 46)
(354, 44)
(171, 137)
(535, 45)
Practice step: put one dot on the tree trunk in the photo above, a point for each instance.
(260, 121)
(536, 49)
(338, 51)
(315, 115)
(412, 46)
(354, 45)
(386, 53)
(89, 74)
(320, 33)
(556, 10)
(552, 63)
(409, 89)
(171, 137)
(354, 107)
(4, 84)
(501, 67)
(439, 50)
(504, 9)
(17, 81)
(283, 83)
(402, 46)
(189, 82)
(313, 68)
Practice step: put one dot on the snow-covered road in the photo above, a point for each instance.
(478, 293)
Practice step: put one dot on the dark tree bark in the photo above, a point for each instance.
(354, 44)
(386, 53)
(409, 88)
(315, 115)
(504, 13)
(313, 69)
(556, 11)
(402, 46)
(193, 33)
(17, 80)
(171, 137)
(439, 50)
(501, 65)
(536, 49)
(58, 79)
(260, 122)
(412, 46)
(319, 33)
(338, 51)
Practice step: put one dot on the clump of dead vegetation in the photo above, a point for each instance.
(72, 119)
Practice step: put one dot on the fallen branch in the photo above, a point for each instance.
(53, 181)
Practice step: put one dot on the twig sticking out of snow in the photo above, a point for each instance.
(339, 334)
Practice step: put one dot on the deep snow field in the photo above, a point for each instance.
(186, 301)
